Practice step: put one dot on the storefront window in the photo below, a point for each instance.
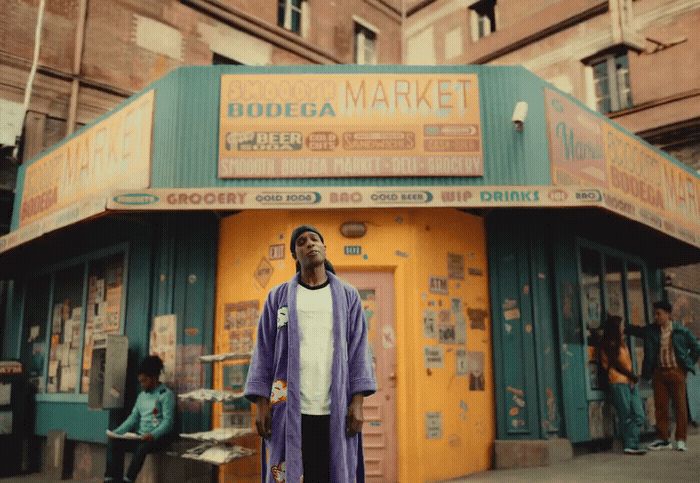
(611, 284)
(638, 313)
(66, 328)
(592, 308)
(36, 303)
(614, 296)
(104, 305)
(65, 311)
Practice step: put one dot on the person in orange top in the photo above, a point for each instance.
(616, 362)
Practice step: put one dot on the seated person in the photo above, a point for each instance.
(152, 418)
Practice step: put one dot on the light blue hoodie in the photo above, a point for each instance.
(154, 412)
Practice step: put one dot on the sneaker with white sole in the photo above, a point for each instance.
(635, 451)
(659, 444)
(680, 446)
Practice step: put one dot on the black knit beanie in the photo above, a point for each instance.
(298, 231)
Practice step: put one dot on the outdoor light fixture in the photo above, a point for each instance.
(519, 115)
(353, 229)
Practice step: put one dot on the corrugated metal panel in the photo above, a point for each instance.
(187, 124)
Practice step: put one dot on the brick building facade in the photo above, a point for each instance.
(635, 61)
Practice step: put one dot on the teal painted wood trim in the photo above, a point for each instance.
(514, 345)
(19, 189)
(546, 344)
(571, 343)
(79, 423)
(61, 398)
(194, 282)
(494, 252)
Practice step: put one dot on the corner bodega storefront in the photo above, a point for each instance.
(484, 256)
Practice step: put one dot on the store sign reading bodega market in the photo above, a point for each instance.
(638, 181)
(114, 153)
(349, 125)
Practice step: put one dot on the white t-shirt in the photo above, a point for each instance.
(315, 316)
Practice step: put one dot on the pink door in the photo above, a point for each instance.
(379, 430)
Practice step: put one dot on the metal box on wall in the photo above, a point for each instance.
(108, 372)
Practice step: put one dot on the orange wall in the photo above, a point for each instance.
(413, 244)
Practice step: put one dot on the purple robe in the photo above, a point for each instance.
(274, 374)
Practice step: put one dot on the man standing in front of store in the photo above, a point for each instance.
(670, 351)
(310, 372)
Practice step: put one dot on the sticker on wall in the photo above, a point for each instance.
(434, 357)
(463, 408)
(388, 337)
(511, 310)
(477, 381)
(515, 390)
(477, 318)
(352, 250)
(438, 285)
(475, 272)
(276, 252)
(446, 329)
(462, 364)
(263, 273)
(433, 425)
(429, 317)
(455, 441)
(241, 320)
(455, 266)
(401, 254)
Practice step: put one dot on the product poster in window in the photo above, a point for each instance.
(240, 321)
(103, 310)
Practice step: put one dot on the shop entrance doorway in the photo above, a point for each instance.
(379, 430)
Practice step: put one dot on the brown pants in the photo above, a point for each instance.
(670, 383)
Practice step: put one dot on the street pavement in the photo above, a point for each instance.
(611, 466)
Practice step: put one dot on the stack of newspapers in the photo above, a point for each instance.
(219, 435)
(211, 395)
(217, 454)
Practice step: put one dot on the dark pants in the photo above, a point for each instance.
(315, 448)
(139, 449)
(670, 384)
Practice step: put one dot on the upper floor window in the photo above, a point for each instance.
(290, 15)
(611, 83)
(483, 19)
(365, 45)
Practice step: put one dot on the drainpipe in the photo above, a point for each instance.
(77, 63)
(35, 63)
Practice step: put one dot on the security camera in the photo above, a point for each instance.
(519, 115)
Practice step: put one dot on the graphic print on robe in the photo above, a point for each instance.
(279, 392)
(279, 472)
(282, 316)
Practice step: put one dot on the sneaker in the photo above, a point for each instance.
(659, 444)
(635, 451)
(680, 446)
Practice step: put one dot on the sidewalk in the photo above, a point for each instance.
(669, 465)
